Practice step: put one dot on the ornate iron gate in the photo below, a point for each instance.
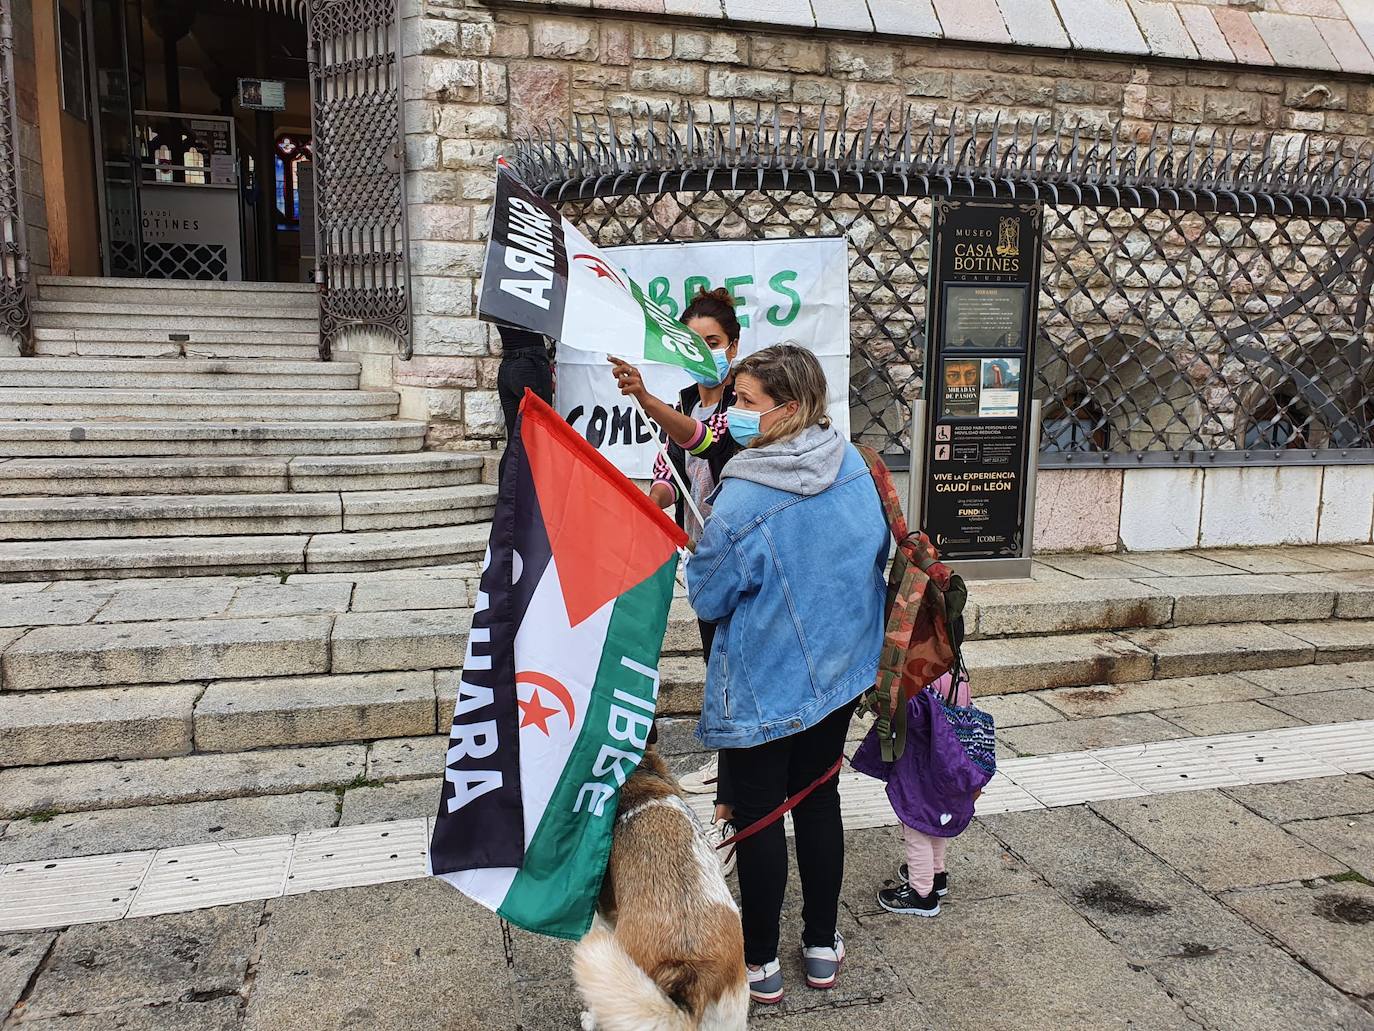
(14, 257)
(1202, 301)
(355, 74)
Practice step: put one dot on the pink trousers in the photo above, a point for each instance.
(925, 857)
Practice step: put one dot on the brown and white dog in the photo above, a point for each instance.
(667, 950)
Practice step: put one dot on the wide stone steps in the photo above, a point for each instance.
(104, 477)
(51, 404)
(88, 440)
(244, 313)
(280, 554)
(91, 289)
(190, 341)
(176, 374)
(173, 515)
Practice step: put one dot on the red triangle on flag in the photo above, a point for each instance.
(605, 534)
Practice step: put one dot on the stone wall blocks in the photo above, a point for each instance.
(432, 187)
(574, 38)
(922, 82)
(435, 371)
(658, 76)
(864, 61)
(467, 155)
(741, 85)
(711, 47)
(469, 121)
(789, 54)
(482, 416)
(650, 43)
(445, 79)
(451, 335)
(493, 88)
(441, 295)
(510, 41)
(615, 45)
(422, 152)
(538, 93)
(815, 92)
(447, 259)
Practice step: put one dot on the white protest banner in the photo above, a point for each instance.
(795, 290)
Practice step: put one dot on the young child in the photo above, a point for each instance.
(932, 787)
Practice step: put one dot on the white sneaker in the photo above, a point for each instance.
(715, 834)
(822, 964)
(765, 983)
(702, 781)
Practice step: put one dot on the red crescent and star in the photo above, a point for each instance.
(533, 711)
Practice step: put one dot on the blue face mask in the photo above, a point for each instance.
(744, 424)
(722, 365)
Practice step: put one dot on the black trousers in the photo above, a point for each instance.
(761, 779)
(723, 790)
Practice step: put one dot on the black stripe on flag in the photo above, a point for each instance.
(525, 278)
(488, 830)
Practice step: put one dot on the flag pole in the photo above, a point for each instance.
(662, 450)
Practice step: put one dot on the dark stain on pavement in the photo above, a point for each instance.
(1344, 909)
(1109, 897)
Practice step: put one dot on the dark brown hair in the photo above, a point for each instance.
(718, 305)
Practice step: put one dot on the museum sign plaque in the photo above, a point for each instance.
(980, 325)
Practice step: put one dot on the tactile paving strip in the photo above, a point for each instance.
(57, 893)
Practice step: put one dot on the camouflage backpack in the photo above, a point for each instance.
(925, 619)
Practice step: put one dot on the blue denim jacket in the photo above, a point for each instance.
(796, 585)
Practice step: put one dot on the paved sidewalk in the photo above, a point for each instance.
(1243, 908)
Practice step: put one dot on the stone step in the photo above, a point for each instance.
(191, 341)
(246, 308)
(181, 286)
(79, 787)
(32, 477)
(385, 472)
(1015, 608)
(57, 405)
(193, 439)
(267, 347)
(132, 557)
(177, 374)
(175, 515)
(190, 293)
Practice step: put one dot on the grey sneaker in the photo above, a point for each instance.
(822, 964)
(765, 983)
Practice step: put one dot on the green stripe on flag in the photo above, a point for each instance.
(668, 341)
(556, 889)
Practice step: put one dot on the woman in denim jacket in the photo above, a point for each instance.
(791, 569)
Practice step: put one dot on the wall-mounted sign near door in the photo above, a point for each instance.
(980, 324)
(262, 94)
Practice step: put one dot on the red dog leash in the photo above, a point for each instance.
(778, 813)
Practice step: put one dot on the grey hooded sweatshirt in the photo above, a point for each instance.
(805, 464)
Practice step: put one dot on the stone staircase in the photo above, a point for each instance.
(170, 429)
(122, 694)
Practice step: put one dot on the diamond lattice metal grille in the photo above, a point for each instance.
(1202, 302)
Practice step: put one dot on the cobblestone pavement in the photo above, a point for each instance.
(1244, 908)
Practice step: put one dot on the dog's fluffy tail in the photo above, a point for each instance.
(617, 991)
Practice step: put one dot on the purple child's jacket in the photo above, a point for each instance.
(933, 784)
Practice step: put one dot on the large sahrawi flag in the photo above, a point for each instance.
(560, 680)
(543, 275)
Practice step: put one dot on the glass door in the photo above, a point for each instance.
(116, 146)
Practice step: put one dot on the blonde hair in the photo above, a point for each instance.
(788, 372)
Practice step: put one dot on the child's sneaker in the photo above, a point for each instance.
(822, 964)
(905, 900)
(702, 781)
(941, 880)
(765, 983)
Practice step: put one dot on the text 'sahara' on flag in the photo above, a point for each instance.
(560, 680)
(543, 275)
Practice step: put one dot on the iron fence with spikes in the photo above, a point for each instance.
(1205, 297)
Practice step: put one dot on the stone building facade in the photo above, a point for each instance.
(487, 75)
